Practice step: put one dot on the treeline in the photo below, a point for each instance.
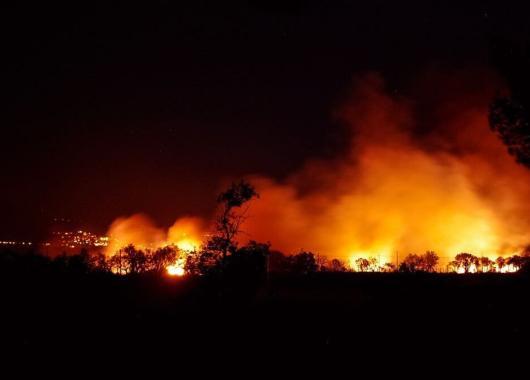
(254, 261)
(221, 254)
(466, 263)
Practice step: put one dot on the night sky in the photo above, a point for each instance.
(109, 111)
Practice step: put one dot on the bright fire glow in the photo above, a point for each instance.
(175, 270)
(139, 230)
(188, 245)
(451, 188)
(186, 234)
(508, 269)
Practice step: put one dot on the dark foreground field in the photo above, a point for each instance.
(385, 315)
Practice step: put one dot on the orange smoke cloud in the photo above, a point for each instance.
(408, 183)
(139, 230)
(450, 188)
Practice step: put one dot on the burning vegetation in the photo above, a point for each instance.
(407, 183)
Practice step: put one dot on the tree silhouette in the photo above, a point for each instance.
(452, 266)
(501, 262)
(515, 261)
(486, 265)
(135, 259)
(430, 261)
(129, 260)
(117, 263)
(248, 262)
(337, 265)
(229, 221)
(279, 262)
(466, 261)
(162, 258)
(412, 263)
(322, 262)
(374, 264)
(388, 267)
(303, 263)
(420, 263)
(203, 262)
(98, 262)
(525, 261)
(510, 114)
(362, 264)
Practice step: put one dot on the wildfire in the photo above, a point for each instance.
(176, 270)
(186, 245)
(509, 269)
(450, 188)
(474, 269)
(186, 234)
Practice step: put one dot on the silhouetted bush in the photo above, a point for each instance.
(303, 263)
(419, 263)
(278, 262)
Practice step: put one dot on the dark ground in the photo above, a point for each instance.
(376, 315)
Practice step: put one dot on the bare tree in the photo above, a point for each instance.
(231, 216)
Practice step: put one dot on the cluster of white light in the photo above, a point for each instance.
(15, 242)
(78, 239)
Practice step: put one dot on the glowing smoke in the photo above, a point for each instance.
(186, 233)
(407, 184)
(402, 187)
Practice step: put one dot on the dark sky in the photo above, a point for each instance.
(110, 110)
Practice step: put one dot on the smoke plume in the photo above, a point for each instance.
(424, 173)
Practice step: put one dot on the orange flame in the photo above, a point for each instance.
(186, 234)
